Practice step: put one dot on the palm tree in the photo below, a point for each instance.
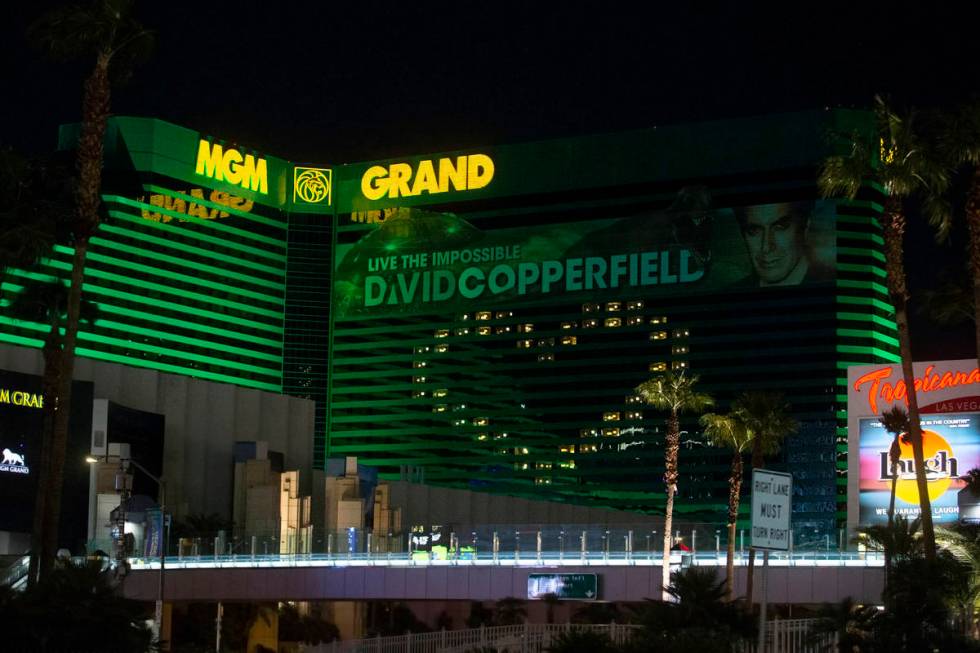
(852, 623)
(767, 417)
(674, 393)
(902, 166)
(896, 421)
(729, 432)
(958, 136)
(509, 611)
(106, 31)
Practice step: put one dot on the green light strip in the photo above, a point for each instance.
(877, 303)
(186, 278)
(194, 265)
(186, 371)
(177, 353)
(254, 217)
(20, 340)
(149, 285)
(183, 217)
(860, 251)
(187, 340)
(855, 235)
(852, 267)
(866, 317)
(194, 326)
(867, 351)
(863, 285)
(195, 235)
(139, 299)
(857, 333)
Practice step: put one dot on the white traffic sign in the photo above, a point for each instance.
(772, 494)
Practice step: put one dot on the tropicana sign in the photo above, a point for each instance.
(879, 387)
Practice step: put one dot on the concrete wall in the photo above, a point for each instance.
(425, 504)
(203, 421)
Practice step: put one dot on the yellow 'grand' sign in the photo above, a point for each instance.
(467, 172)
(248, 171)
(21, 398)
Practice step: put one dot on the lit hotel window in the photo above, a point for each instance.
(610, 433)
(588, 433)
(484, 331)
(657, 367)
(634, 414)
(543, 358)
(634, 305)
(525, 328)
(681, 333)
(613, 307)
(569, 340)
(483, 315)
(679, 349)
(464, 316)
(499, 436)
(658, 335)
(418, 394)
(569, 325)
(525, 344)
(546, 342)
(503, 329)
(588, 448)
(590, 307)
(439, 408)
(481, 436)
(462, 331)
(634, 320)
(442, 349)
(418, 379)
(421, 350)
(480, 421)
(542, 481)
(521, 450)
(614, 322)
(590, 323)
(612, 416)
(520, 466)
(633, 400)
(542, 465)
(442, 333)
(658, 320)
(679, 365)
(418, 364)
(502, 314)
(459, 422)
(440, 392)
(567, 448)
(567, 464)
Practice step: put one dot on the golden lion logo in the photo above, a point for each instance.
(312, 185)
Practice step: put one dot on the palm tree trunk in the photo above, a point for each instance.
(891, 511)
(973, 225)
(757, 462)
(734, 489)
(49, 385)
(893, 227)
(671, 452)
(95, 114)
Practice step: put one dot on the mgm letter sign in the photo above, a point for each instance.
(771, 508)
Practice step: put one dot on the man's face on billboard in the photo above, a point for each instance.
(776, 239)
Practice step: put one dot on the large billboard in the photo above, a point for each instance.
(423, 262)
(948, 394)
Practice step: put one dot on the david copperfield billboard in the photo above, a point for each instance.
(948, 394)
(422, 262)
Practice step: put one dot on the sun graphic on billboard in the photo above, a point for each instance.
(312, 185)
(941, 467)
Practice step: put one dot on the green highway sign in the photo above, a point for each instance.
(581, 587)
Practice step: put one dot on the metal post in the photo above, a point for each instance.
(629, 545)
(217, 547)
(255, 545)
(650, 550)
(329, 544)
(539, 546)
(163, 548)
(217, 629)
(694, 541)
(761, 648)
(717, 543)
(561, 545)
(583, 545)
(369, 545)
(496, 547)
(741, 543)
(605, 546)
(517, 546)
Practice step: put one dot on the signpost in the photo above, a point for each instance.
(772, 494)
(581, 587)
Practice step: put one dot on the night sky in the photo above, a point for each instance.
(332, 82)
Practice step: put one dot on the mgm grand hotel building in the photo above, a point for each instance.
(480, 318)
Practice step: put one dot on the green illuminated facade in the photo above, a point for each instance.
(483, 315)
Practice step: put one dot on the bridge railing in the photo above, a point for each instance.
(497, 541)
(783, 636)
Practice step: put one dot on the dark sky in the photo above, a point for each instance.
(330, 82)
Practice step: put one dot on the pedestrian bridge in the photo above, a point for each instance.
(792, 577)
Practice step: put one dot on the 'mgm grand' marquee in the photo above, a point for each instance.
(483, 315)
